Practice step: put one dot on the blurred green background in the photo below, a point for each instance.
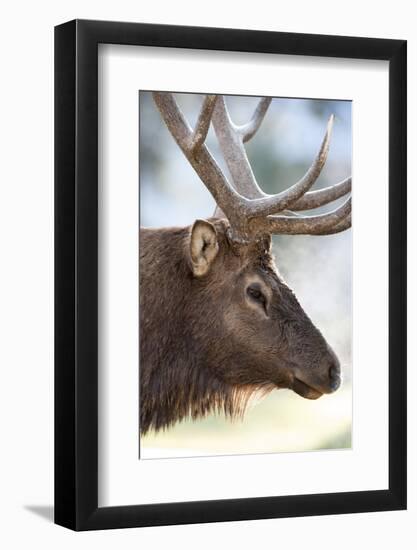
(317, 268)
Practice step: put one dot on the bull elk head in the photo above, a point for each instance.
(234, 325)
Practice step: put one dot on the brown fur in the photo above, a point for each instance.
(205, 346)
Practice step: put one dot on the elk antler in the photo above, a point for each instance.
(251, 212)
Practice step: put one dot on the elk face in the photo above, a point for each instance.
(256, 332)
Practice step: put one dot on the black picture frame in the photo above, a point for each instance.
(76, 271)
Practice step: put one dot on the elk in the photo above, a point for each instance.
(217, 321)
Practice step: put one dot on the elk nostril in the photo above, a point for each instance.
(333, 372)
(334, 376)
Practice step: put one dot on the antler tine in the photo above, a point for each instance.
(203, 122)
(248, 130)
(231, 139)
(200, 158)
(284, 200)
(338, 228)
(303, 225)
(314, 199)
(231, 144)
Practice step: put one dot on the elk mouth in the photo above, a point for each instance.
(306, 391)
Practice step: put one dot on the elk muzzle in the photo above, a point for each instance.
(312, 383)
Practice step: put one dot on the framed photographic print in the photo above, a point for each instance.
(230, 275)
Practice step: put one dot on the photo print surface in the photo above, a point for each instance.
(245, 262)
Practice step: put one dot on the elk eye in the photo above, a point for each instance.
(256, 295)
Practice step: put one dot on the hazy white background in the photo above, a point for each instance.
(26, 168)
(319, 269)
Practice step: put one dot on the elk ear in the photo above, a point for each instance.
(203, 247)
